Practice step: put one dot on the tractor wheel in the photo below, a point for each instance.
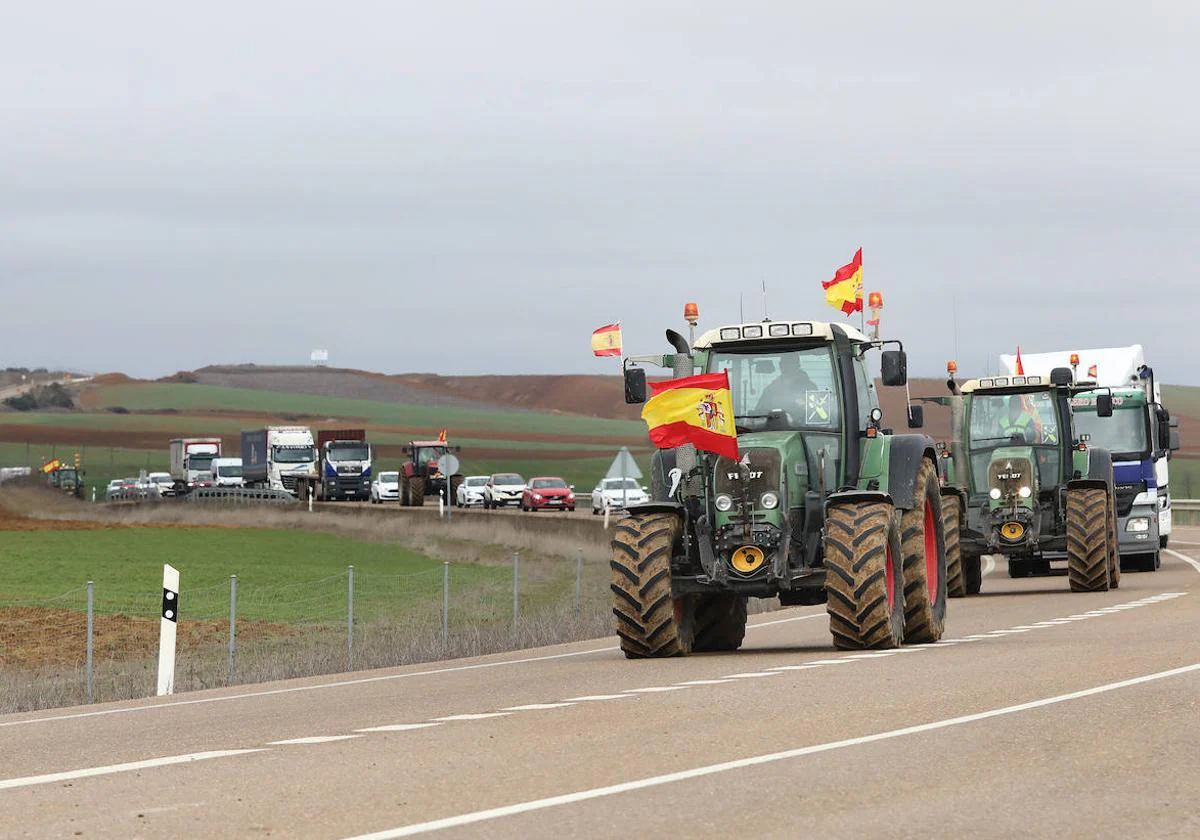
(1018, 569)
(1087, 540)
(972, 565)
(719, 622)
(951, 511)
(923, 549)
(416, 490)
(1162, 542)
(863, 577)
(1114, 554)
(650, 623)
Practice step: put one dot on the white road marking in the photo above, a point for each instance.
(846, 661)
(1007, 632)
(793, 667)
(474, 817)
(593, 697)
(68, 775)
(869, 655)
(752, 674)
(537, 707)
(1195, 564)
(312, 739)
(705, 682)
(478, 716)
(1027, 627)
(655, 689)
(398, 727)
(357, 681)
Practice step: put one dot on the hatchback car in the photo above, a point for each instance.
(470, 491)
(547, 493)
(385, 488)
(503, 489)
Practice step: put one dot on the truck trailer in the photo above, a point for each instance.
(1141, 435)
(278, 457)
(191, 463)
(343, 467)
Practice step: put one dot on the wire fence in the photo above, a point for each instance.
(89, 644)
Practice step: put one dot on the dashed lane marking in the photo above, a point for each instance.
(478, 716)
(398, 727)
(474, 817)
(704, 682)
(655, 689)
(537, 707)
(589, 698)
(312, 739)
(130, 766)
(751, 674)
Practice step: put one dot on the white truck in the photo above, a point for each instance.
(278, 457)
(1141, 435)
(227, 472)
(191, 463)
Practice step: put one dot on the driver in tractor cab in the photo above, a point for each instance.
(1020, 421)
(787, 391)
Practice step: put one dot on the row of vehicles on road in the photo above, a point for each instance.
(824, 503)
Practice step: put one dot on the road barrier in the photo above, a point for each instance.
(1185, 511)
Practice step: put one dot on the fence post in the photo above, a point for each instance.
(90, 641)
(232, 626)
(578, 582)
(516, 617)
(350, 619)
(445, 603)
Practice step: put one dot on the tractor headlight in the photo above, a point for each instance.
(1024, 492)
(724, 503)
(995, 493)
(1138, 524)
(769, 500)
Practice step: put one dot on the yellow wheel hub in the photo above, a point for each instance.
(1012, 530)
(747, 559)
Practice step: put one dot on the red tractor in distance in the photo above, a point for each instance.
(420, 476)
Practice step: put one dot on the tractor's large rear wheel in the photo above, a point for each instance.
(1114, 553)
(719, 622)
(1087, 540)
(650, 622)
(923, 548)
(956, 587)
(863, 578)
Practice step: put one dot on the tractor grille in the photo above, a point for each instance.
(1126, 493)
(1009, 475)
(764, 466)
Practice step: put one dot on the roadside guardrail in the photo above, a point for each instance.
(1185, 511)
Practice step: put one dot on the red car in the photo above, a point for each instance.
(547, 493)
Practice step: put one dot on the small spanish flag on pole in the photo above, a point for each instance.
(844, 291)
(1020, 367)
(51, 466)
(696, 410)
(606, 341)
(442, 436)
(1091, 372)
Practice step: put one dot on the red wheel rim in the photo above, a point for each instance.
(678, 604)
(889, 573)
(931, 552)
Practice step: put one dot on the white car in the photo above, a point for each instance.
(385, 488)
(616, 493)
(502, 490)
(470, 492)
(166, 484)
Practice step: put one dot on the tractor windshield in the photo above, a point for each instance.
(1125, 434)
(1029, 419)
(781, 389)
(429, 454)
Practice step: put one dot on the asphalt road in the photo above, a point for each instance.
(1042, 713)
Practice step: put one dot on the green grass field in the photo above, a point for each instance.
(283, 576)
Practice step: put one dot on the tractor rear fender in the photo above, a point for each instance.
(850, 496)
(904, 461)
(1100, 472)
(658, 507)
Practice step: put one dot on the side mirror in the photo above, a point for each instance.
(404, 450)
(1061, 376)
(645, 489)
(571, 486)
(635, 385)
(1104, 405)
(894, 368)
(916, 416)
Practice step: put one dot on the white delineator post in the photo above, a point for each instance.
(166, 633)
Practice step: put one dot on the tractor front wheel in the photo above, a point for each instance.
(719, 622)
(972, 565)
(416, 490)
(956, 587)
(1087, 540)
(650, 622)
(923, 548)
(863, 577)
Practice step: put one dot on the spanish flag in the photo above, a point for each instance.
(1092, 372)
(606, 341)
(1020, 367)
(696, 410)
(442, 436)
(844, 291)
(51, 466)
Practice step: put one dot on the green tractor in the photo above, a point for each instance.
(68, 480)
(1021, 483)
(823, 506)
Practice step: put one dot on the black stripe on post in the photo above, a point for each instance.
(170, 605)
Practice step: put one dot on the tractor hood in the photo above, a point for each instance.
(756, 484)
(1011, 478)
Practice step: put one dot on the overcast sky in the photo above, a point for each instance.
(472, 187)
